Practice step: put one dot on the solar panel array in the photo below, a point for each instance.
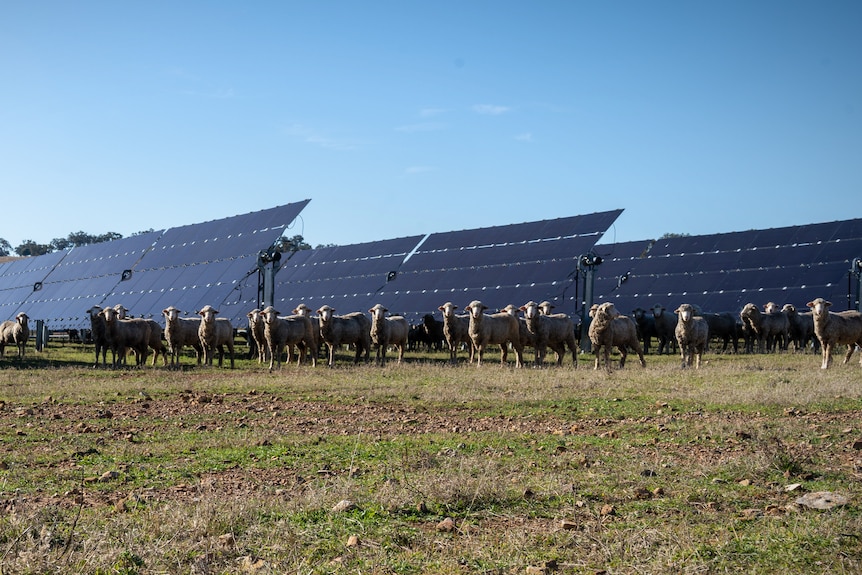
(498, 265)
(216, 263)
(189, 266)
(723, 272)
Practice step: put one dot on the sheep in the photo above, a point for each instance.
(97, 331)
(769, 330)
(601, 332)
(692, 335)
(305, 311)
(842, 328)
(498, 329)
(646, 327)
(281, 332)
(801, 328)
(155, 343)
(256, 328)
(723, 325)
(215, 334)
(123, 334)
(625, 336)
(546, 307)
(527, 338)
(179, 332)
(456, 330)
(352, 328)
(386, 331)
(665, 326)
(15, 332)
(555, 331)
(434, 331)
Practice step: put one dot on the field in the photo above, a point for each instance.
(429, 468)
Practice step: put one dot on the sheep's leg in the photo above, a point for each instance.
(623, 355)
(850, 348)
(827, 355)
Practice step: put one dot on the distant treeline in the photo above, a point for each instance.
(78, 239)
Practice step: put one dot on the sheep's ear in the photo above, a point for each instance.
(827, 303)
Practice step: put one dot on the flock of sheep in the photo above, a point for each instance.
(273, 334)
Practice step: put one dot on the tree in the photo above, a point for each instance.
(671, 235)
(5, 247)
(292, 245)
(31, 248)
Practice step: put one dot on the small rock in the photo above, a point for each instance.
(344, 505)
(446, 526)
(568, 525)
(792, 487)
(108, 476)
(608, 509)
(822, 500)
(353, 541)
(226, 540)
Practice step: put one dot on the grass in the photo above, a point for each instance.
(210, 471)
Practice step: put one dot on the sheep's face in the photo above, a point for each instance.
(685, 312)
(22, 318)
(789, 309)
(378, 312)
(110, 314)
(819, 306)
(269, 315)
(302, 310)
(638, 313)
(657, 310)
(208, 314)
(171, 313)
(325, 313)
(531, 309)
(511, 310)
(94, 312)
(771, 307)
(546, 307)
(448, 309)
(121, 311)
(476, 309)
(749, 310)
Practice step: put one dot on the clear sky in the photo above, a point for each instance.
(404, 117)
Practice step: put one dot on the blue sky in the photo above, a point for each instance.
(403, 117)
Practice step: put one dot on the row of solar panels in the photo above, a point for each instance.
(216, 263)
(188, 267)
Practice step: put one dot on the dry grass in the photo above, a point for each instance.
(656, 470)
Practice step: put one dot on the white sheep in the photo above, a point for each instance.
(305, 311)
(456, 330)
(285, 332)
(352, 328)
(386, 331)
(625, 335)
(842, 328)
(601, 332)
(495, 329)
(155, 343)
(124, 334)
(15, 332)
(256, 328)
(692, 335)
(97, 332)
(215, 334)
(527, 338)
(180, 332)
(556, 331)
